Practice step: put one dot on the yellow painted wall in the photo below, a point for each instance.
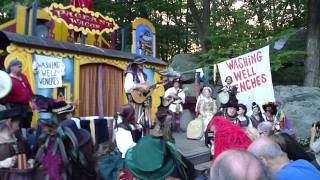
(24, 54)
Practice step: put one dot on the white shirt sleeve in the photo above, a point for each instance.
(168, 92)
(315, 147)
(124, 141)
(182, 95)
(129, 83)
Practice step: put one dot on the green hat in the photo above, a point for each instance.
(148, 159)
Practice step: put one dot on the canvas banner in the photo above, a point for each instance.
(251, 73)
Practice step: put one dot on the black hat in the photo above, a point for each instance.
(61, 107)
(270, 107)
(14, 113)
(139, 60)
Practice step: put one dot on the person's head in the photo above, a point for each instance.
(127, 113)
(256, 109)
(238, 165)
(15, 67)
(176, 84)
(270, 108)
(242, 110)
(207, 91)
(228, 80)
(138, 63)
(265, 128)
(231, 111)
(63, 110)
(290, 146)
(269, 152)
(10, 119)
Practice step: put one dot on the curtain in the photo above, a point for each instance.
(112, 89)
(88, 90)
(101, 90)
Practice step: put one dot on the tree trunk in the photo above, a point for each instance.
(312, 63)
(201, 22)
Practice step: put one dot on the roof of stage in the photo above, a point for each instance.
(32, 41)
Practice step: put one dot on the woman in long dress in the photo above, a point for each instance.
(207, 107)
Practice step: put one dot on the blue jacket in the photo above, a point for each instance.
(298, 170)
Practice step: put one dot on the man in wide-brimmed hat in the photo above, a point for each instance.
(136, 79)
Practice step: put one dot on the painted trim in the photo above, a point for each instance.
(7, 24)
(85, 10)
(139, 21)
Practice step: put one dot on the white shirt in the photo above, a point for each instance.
(124, 141)
(174, 91)
(129, 83)
(315, 147)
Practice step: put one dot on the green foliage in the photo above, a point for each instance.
(283, 58)
(256, 24)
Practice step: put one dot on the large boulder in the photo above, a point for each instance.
(302, 106)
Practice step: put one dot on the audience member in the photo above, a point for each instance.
(265, 128)
(290, 146)
(315, 143)
(271, 154)
(155, 158)
(239, 165)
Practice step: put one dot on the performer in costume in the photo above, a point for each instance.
(242, 119)
(277, 117)
(65, 151)
(14, 163)
(20, 94)
(228, 111)
(228, 87)
(226, 136)
(207, 106)
(177, 96)
(134, 79)
(256, 117)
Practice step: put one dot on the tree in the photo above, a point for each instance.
(312, 63)
(201, 20)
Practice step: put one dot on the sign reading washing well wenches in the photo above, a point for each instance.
(82, 19)
(48, 70)
(251, 73)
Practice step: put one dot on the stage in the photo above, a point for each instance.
(195, 152)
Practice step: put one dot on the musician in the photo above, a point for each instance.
(228, 86)
(135, 79)
(20, 94)
(176, 96)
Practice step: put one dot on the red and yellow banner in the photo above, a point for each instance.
(82, 19)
